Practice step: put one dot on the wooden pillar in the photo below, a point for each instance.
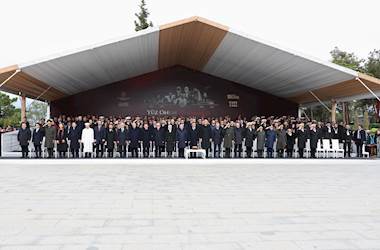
(23, 107)
(333, 111)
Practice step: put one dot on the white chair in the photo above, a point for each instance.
(307, 149)
(365, 153)
(254, 148)
(338, 151)
(320, 149)
(327, 148)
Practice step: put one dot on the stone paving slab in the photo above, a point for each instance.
(195, 204)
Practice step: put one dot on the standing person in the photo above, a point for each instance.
(206, 136)
(159, 140)
(378, 142)
(238, 139)
(100, 138)
(88, 140)
(347, 141)
(133, 137)
(281, 141)
(260, 141)
(250, 136)
(290, 141)
(313, 140)
(302, 137)
(170, 140)
(24, 135)
(74, 135)
(121, 139)
(146, 138)
(181, 137)
(228, 137)
(110, 140)
(61, 139)
(359, 138)
(37, 138)
(217, 138)
(193, 137)
(269, 141)
(50, 135)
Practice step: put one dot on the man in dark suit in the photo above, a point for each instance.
(74, 135)
(37, 138)
(181, 137)
(100, 138)
(217, 138)
(314, 137)
(359, 138)
(133, 137)
(121, 139)
(24, 135)
(205, 132)
(193, 137)
(250, 136)
(302, 137)
(347, 140)
(146, 138)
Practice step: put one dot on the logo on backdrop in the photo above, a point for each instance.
(233, 100)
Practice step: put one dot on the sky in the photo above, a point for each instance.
(39, 28)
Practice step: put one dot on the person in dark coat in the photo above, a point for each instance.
(193, 137)
(228, 137)
(181, 137)
(359, 138)
(37, 138)
(146, 138)
(290, 141)
(314, 137)
(250, 136)
(100, 138)
(206, 136)
(133, 137)
(110, 140)
(302, 138)
(238, 139)
(170, 140)
(61, 138)
(159, 140)
(50, 137)
(269, 141)
(217, 138)
(327, 132)
(281, 141)
(24, 135)
(74, 135)
(260, 134)
(121, 139)
(347, 141)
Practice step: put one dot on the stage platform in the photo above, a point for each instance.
(266, 204)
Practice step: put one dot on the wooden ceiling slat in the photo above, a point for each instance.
(190, 42)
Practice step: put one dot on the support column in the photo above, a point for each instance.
(333, 111)
(23, 107)
(48, 111)
(299, 112)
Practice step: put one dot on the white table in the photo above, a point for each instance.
(190, 150)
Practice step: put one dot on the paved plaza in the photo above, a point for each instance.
(195, 204)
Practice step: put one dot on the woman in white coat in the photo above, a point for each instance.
(87, 140)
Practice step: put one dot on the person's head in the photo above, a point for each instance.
(360, 127)
(237, 124)
(23, 125)
(290, 131)
(193, 124)
(158, 125)
(99, 122)
(110, 126)
(60, 126)
(146, 126)
(74, 124)
(260, 128)
(49, 122)
(348, 126)
(281, 127)
(122, 125)
(181, 126)
(378, 132)
(170, 127)
(133, 124)
(87, 125)
(217, 124)
(38, 125)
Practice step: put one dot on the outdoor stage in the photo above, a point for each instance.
(194, 204)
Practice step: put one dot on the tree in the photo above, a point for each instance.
(348, 60)
(9, 114)
(373, 64)
(142, 22)
(36, 111)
